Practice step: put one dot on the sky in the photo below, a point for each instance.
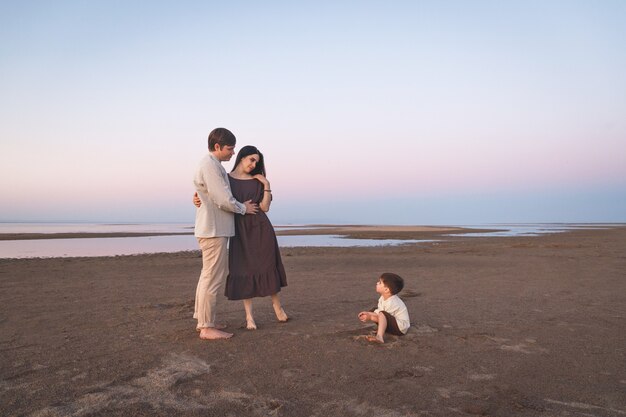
(367, 112)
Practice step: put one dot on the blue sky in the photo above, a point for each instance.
(407, 112)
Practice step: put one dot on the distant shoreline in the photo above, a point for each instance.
(354, 231)
(348, 231)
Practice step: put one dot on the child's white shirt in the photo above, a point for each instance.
(396, 307)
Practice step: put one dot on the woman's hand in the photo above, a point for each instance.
(196, 200)
(263, 180)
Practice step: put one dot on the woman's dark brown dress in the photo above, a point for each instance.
(255, 266)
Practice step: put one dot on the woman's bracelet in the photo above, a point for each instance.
(267, 191)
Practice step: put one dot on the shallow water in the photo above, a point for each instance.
(156, 244)
(63, 248)
(95, 227)
(529, 229)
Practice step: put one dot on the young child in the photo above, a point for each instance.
(391, 315)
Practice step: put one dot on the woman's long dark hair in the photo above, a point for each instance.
(247, 151)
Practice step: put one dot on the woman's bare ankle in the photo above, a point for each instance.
(280, 314)
(250, 323)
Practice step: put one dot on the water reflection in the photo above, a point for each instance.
(157, 244)
(530, 229)
(64, 248)
(68, 248)
(95, 227)
(339, 241)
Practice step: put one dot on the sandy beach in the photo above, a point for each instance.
(514, 326)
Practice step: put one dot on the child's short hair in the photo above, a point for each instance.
(394, 282)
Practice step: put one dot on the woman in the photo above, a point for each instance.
(255, 265)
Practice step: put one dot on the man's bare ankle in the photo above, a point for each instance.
(211, 333)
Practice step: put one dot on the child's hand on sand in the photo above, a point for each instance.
(363, 316)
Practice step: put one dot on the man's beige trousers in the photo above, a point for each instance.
(214, 272)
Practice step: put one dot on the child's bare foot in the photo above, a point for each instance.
(280, 314)
(250, 324)
(211, 333)
(377, 339)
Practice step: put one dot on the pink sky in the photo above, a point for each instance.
(105, 121)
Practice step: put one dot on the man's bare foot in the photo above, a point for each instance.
(250, 324)
(217, 326)
(377, 339)
(280, 314)
(211, 333)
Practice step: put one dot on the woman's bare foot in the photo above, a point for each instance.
(250, 324)
(377, 339)
(211, 333)
(278, 309)
(280, 314)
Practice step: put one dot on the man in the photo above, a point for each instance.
(214, 225)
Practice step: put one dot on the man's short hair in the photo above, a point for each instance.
(394, 282)
(221, 136)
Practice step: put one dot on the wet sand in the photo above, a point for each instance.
(517, 326)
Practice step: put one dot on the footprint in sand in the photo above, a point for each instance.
(444, 392)
(519, 348)
(482, 377)
(291, 373)
(528, 347)
(424, 329)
